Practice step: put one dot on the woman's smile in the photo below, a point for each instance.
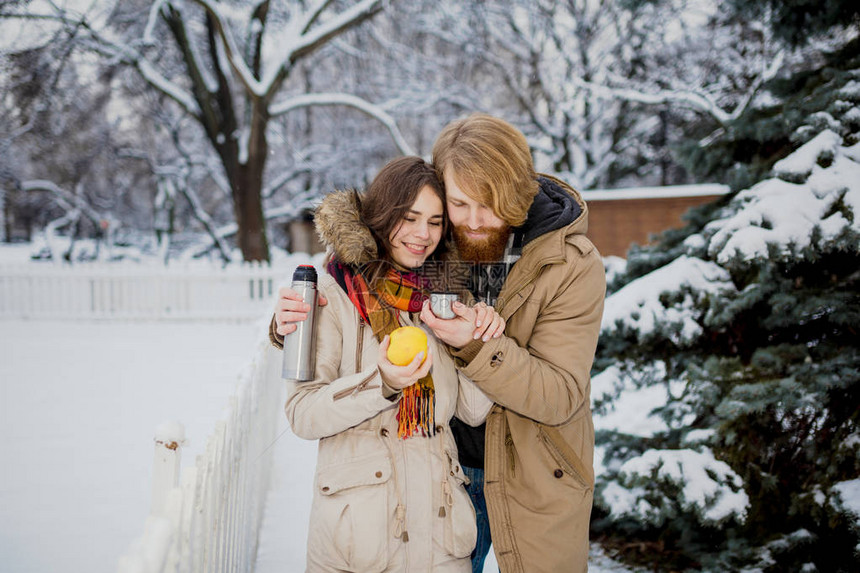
(419, 233)
(415, 249)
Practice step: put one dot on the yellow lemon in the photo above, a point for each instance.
(405, 343)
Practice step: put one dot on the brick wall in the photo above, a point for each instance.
(615, 224)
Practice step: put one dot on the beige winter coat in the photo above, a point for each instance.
(539, 479)
(380, 503)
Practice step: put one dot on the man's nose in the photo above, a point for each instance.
(474, 221)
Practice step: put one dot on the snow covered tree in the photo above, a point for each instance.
(552, 60)
(594, 85)
(226, 65)
(726, 406)
(58, 150)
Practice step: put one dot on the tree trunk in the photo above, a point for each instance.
(246, 182)
(248, 209)
(6, 212)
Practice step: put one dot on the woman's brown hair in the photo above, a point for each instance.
(491, 161)
(385, 203)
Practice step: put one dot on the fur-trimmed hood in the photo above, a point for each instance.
(341, 230)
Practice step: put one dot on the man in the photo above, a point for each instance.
(525, 235)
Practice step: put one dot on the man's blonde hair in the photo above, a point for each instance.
(491, 162)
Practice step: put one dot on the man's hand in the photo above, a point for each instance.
(291, 309)
(400, 377)
(480, 321)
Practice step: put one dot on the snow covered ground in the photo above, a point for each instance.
(79, 405)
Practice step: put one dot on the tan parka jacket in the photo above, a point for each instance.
(538, 472)
(380, 503)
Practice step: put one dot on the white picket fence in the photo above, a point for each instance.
(99, 290)
(208, 519)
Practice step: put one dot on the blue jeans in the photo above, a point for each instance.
(475, 490)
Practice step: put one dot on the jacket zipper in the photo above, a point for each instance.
(363, 385)
(358, 349)
(359, 345)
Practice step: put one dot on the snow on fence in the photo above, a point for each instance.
(95, 290)
(208, 519)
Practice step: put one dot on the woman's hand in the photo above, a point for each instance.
(400, 377)
(291, 309)
(488, 322)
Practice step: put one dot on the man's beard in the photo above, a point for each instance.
(490, 249)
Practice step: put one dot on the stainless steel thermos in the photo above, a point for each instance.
(300, 346)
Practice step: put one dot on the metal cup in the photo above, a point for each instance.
(441, 303)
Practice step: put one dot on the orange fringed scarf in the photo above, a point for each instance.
(402, 291)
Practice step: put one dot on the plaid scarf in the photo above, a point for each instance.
(401, 291)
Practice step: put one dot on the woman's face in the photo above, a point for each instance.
(420, 231)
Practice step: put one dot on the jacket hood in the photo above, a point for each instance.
(556, 205)
(340, 228)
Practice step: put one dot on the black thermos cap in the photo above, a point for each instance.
(306, 273)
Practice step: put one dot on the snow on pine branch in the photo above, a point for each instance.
(849, 498)
(701, 484)
(641, 306)
(801, 163)
(632, 400)
(815, 196)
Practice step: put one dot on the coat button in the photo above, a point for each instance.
(558, 473)
(325, 488)
(383, 432)
(379, 474)
(497, 359)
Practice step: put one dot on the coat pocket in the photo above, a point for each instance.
(568, 460)
(461, 533)
(350, 522)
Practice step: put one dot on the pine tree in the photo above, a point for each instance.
(727, 404)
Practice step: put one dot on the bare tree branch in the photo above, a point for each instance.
(310, 41)
(233, 54)
(332, 99)
(692, 99)
(66, 199)
(312, 15)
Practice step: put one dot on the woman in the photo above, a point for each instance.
(389, 491)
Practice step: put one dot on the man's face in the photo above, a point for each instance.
(480, 234)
